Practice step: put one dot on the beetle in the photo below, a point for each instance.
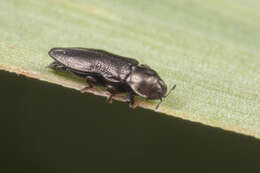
(116, 73)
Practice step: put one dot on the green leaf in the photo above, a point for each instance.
(210, 49)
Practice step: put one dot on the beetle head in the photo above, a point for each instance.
(146, 82)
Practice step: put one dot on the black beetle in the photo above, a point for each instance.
(118, 74)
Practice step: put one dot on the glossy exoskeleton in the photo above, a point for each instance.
(118, 74)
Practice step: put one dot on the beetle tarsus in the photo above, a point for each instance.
(85, 89)
(110, 98)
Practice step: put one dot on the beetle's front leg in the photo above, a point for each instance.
(91, 81)
(130, 99)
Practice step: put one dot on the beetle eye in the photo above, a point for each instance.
(163, 87)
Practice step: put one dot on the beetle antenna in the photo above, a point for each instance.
(157, 106)
(173, 87)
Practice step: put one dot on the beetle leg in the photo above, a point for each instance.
(56, 66)
(112, 91)
(109, 99)
(91, 81)
(130, 99)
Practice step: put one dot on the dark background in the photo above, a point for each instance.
(48, 128)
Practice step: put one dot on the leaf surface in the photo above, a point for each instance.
(210, 49)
